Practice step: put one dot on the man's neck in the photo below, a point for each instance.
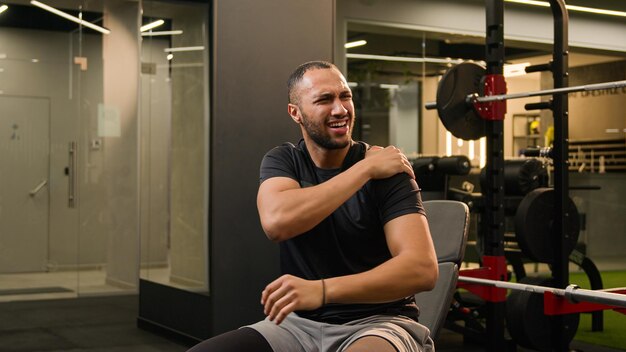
(326, 158)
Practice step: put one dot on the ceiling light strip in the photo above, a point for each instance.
(598, 11)
(183, 48)
(151, 25)
(3, 8)
(404, 59)
(70, 17)
(158, 33)
(354, 44)
(572, 7)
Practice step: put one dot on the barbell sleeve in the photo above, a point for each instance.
(589, 87)
(595, 296)
(475, 98)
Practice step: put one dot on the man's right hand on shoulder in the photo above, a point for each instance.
(386, 162)
(286, 210)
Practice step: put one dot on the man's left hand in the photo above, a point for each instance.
(289, 293)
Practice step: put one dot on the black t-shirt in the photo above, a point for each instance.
(349, 241)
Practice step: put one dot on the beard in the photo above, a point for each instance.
(317, 132)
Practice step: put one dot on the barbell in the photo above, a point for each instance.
(573, 293)
(461, 89)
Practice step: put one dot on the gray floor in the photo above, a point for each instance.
(99, 324)
(86, 324)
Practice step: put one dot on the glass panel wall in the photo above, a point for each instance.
(174, 144)
(107, 125)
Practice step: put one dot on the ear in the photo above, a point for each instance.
(294, 112)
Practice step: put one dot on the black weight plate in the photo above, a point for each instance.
(456, 115)
(524, 175)
(527, 323)
(514, 317)
(534, 225)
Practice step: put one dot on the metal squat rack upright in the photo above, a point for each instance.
(492, 226)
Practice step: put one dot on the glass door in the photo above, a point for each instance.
(174, 142)
(38, 151)
(69, 148)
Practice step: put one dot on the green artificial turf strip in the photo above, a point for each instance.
(614, 333)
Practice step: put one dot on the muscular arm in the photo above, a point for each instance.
(412, 269)
(286, 210)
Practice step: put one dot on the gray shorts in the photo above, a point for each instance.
(300, 334)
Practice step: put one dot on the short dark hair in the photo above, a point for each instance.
(299, 72)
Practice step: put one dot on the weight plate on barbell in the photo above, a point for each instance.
(455, 113)
(527, 324)
(534, 225)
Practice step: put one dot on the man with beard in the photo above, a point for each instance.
(354, 241)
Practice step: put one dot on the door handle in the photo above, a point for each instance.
(36, 190)
(71, 179)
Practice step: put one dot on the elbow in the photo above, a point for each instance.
(271, 232)
(270, 224)
(272, 236)
(281, 225)
(428, 277)
(432, 277)
(274, 230)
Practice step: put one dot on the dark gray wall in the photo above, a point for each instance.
(256, 45)
(604, 210)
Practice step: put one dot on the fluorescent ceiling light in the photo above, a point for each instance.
(70, 17)
(183, 48)
(354, 44)
(572, 8)
(404, 59)
(154, 34)
(151, 25)
(3, 8)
